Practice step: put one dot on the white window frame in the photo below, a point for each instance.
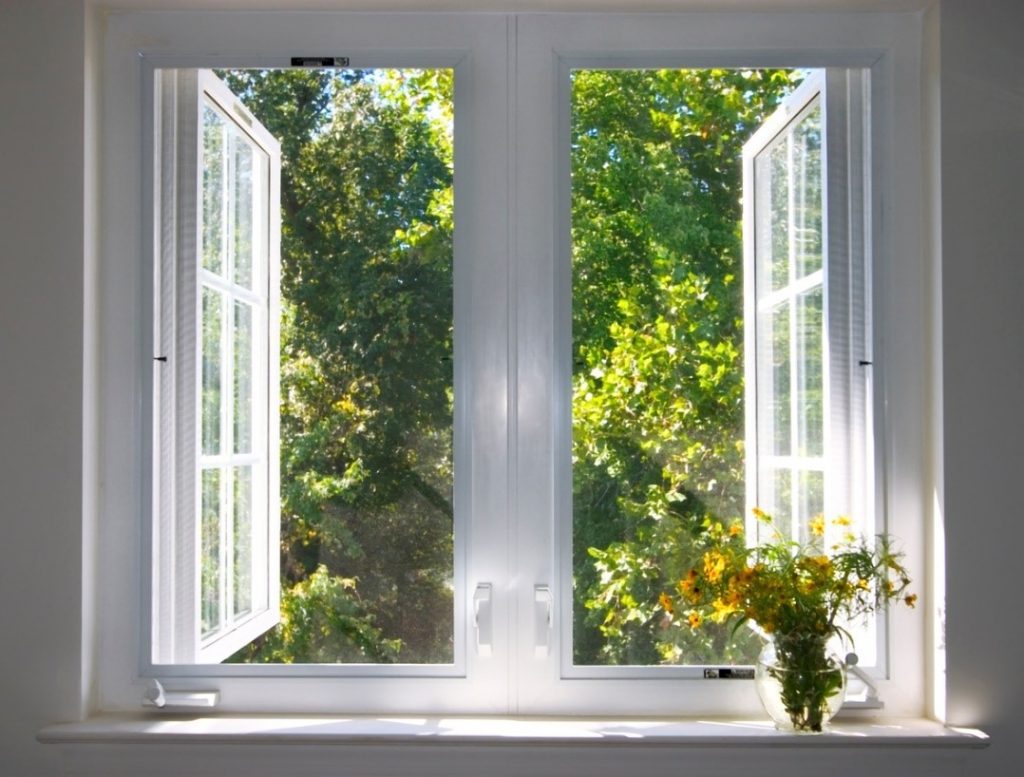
(842, 97)
(549, 48)
(512, 280)
(139, 45)
(178, 288)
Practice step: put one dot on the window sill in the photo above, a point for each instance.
(501, 747)
(329, 730)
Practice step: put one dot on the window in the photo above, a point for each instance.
(808, 308)
(661, 442)
(808, 323)
(856, 135)
(351, 345)
(215, 558)
(513, 617)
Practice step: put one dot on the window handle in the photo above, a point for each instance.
(542, 612)
(482, 619)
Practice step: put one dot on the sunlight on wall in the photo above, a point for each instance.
(937, 597)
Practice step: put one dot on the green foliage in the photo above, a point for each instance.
(367, 346)
(322, 621)
(657, 335)
(366, 381)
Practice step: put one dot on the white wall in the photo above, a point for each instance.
(41, 373)
(46, 239)
(983, 329)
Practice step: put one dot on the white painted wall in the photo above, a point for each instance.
(46, 238)
(42, 229)
(982, 110)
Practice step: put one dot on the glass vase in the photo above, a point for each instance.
(800, 684)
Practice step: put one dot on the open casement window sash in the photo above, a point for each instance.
(807, 321)
(215, 542)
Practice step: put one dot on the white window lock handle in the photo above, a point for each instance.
(542, 616)
(482, 619)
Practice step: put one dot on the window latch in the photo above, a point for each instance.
(483, 619)
(157, 696)
(320, 62)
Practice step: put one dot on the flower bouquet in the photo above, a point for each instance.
(800, 596)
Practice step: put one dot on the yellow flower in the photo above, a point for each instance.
(733, 596)
(694, 619)
(818, 526)
(735, 529)
(863, 584)
(761, 515)
(687, 583)
(823, 563)
(714, 565)
(665, 602)
(688, 587)
(910, 599)
(722, 611)
(842, 520)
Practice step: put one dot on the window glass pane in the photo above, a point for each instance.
(243, 385)
(774, 210)
(210, 546)
(658, 417)
(242, 200)
(242, 541)
(810, 501)
(778, 407)
(790, 324)
(774, 389)
(366, 418)
(809, 373)
(214, 180)
(789, 203)
(234, 219)
(212, 361)
(781, 501)
(806, 187)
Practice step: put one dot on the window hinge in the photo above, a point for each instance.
(157, 696)
(870, 700)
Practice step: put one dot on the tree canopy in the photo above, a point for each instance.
(658, 454)
(366, 382)
(366, 388)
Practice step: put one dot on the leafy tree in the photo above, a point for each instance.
(657, 335)
(366, 362)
